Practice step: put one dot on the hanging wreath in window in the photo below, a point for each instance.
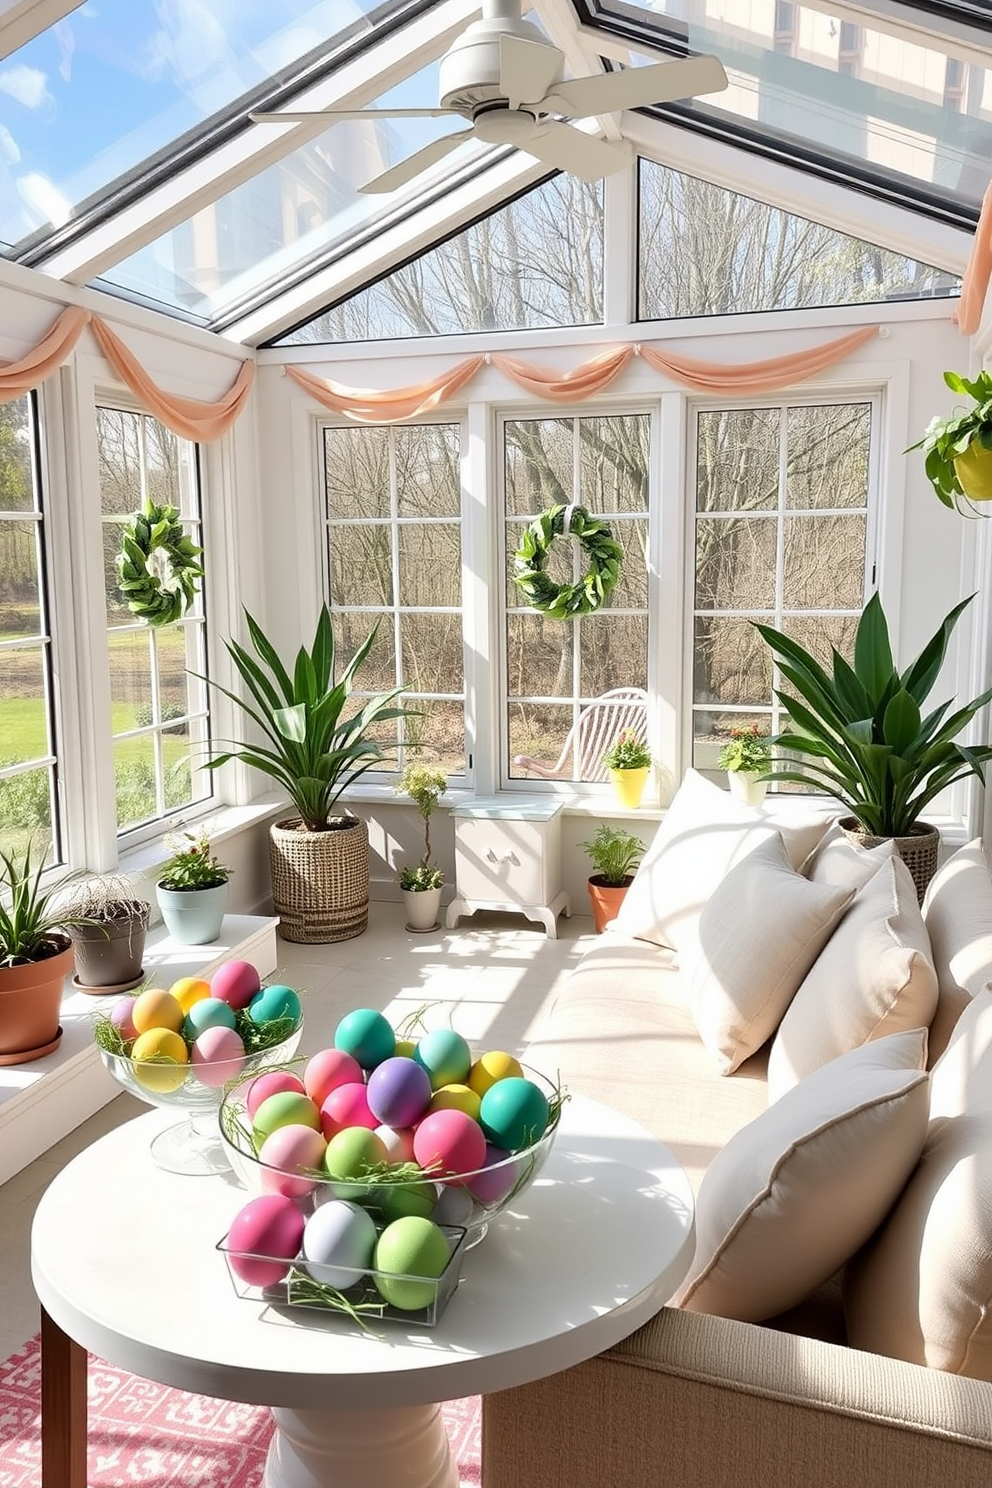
(157, 565)
(565, 601)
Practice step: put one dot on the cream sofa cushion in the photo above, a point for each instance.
(796, 1192)
(839, 861)
(705, 831)
(921, 1290)
(756, 939)
(957, 911)
(874, 976)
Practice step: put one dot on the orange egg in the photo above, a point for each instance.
(156, 1008)
(189, 990)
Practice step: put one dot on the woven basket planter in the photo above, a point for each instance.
(919, 850)
(320, 880)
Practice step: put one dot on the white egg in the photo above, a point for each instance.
(338, 1242)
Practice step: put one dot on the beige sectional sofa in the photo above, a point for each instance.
(699, 1400)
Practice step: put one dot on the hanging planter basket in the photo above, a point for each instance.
(974, 472)
(320, 880)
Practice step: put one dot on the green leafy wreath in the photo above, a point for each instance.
(157, 565)
(565, 601)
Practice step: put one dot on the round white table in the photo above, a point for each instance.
(124, 1263)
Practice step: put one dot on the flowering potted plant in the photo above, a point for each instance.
(614, 855)
(628, 761)
(746, 756)
(421, 884)
(957, 449)
(192, 891)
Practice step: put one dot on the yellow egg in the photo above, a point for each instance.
(159, 1057)
(189, 990)
(490, 1067)
(405, 1047)
(456, 1098)
(156, 1008)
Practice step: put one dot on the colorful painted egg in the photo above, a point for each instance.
(449, 1143)
(494, 1065)
(275, 1002)
(499, 1174)
(236, 983)
(121, 1016)
(514, 1113)
(350, 1154)
(456, 1098)
(398, 1199)
(397, 1141)
(273, 1082)
(410, 1247)
(338, 1244)
(405, 1047)
(217, 1055)
(399, 1091)
(209, 1012)
(188, 990)
(270, 1226)
(285, 1108)
(156, 1008)
(326, 1070)
(346, 1106)
(159, 1059)
(455, 1205)
(367, 1036)
(289, 1153)
(445, 1056)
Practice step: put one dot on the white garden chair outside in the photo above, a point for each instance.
(595, 730)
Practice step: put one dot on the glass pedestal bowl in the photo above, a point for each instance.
(469, 1200)
(195, 1091)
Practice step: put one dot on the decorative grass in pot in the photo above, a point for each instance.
(107, 926)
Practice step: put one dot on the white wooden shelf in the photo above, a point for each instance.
(43, 1101)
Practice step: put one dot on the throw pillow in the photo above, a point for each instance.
(841, 862)
(921, 1290)
(703, 834)
(761, 931)
(873, 977)
(957, 911)
(801, 1187)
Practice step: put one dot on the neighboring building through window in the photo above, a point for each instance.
(29, 811)
(159, 708)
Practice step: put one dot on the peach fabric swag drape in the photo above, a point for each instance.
(975, 280)
(58, 343)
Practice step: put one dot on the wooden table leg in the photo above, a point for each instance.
(63, 1408)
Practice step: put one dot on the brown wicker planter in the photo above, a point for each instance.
(30, 1000)
(919, 850)
(320, 880)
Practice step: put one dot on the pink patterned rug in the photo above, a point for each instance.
(144, 1435)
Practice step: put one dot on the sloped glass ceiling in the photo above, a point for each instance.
(909, 115)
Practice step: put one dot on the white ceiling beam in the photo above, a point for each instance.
(20, 20)
(371, 74)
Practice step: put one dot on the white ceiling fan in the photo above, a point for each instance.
(503, 76)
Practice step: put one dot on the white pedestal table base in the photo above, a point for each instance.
(406, 1447)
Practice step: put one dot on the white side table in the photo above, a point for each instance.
(508, 857)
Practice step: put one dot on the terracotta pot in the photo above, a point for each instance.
(919, 850)
(629, 786)
(30, 1000)
(606, 899)
(974, 470)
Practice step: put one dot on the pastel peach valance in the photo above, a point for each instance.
(20, 377)
(369, 407)
(975, 280)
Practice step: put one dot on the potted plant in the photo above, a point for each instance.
(615, 855)
(860, 735)
(628, 761)
(192, 890)
(957, 448)
(312, 749)
(107, 924)
(746, 756)
(421, 885)
(35, 959)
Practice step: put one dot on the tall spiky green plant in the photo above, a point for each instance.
(313, 752)
(861, 734)
(30, 917)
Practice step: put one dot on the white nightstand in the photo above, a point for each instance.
(508, 857)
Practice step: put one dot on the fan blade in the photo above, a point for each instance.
(527, 69)
(579, 154)
(398, 175)
(637, 87)
(335, 116)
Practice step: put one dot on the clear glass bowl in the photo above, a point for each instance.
(192, 1146)
(469, 1200)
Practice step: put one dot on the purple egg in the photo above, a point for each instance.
(122, 1017)
(494, 1183)
(398, 1091)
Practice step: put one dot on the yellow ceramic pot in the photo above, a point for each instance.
(974, 470)
(629, 786)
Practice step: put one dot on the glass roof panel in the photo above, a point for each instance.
(271, 228)
(116, 81)
(913, 116)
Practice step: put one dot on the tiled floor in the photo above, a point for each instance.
(491, 978)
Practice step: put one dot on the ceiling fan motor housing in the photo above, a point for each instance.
(470, 68)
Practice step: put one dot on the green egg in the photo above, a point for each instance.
(285, 1108)
(350, 1153)
(367, 1036)
(274, 1002)
(445, 1056)
(397, 1200)
(410, 1247)
(514, 1113)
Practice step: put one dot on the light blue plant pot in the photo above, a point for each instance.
(193, 916)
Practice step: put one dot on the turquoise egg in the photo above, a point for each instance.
(445, 1056)
(514, 1113)
(209, 1012)
(274, 1002)
(367, 1036)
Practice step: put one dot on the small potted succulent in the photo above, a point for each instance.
(614, 855)
(421, 885)
(628, 761)
(192, 891)
(957, 449)
(107, 925)
(35, 959)
(746, 756)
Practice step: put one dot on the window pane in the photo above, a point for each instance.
(613, 652)
(23, 692)
(819, 571)
(356, 473)
(16, 484)
(134, 778)
(438, 735)
(613, 472)
(130, 680)
(20, 579)
(539, 731)
(539, 464)
(430, 564)
(361, 565)
(735, 564)
(378, 672)
(712, 730)
(828, 456)
(821, 634)
(120, 461)
(539, 656)
(432, 652)
(737, 460)
(731, 663)
(427, 480)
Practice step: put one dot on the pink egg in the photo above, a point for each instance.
(273, 1082)
(326, 1070)
(399, 1091)
(397, 1142)
(269, 1226)
(236, 983)
(449, 1143)
(499, 1174)
(290, 1149)
(218, 1055)
(347, 1105)
(121, 1015)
